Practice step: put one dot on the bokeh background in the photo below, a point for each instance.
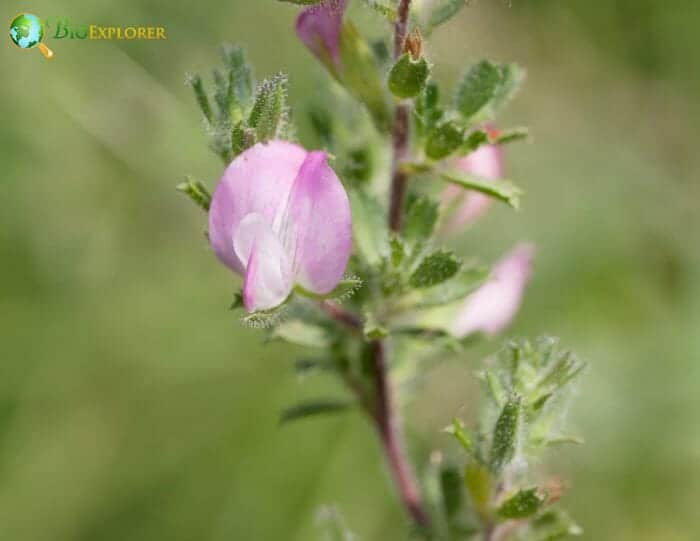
(134, 406)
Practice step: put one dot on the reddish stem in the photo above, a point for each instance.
(401, 130)
(389, 433)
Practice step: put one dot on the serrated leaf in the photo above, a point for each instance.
(302, 333)
(479, 86)
(270, 111)
(462, 284)
(421, 218)
(369, 227)
(523, 504)
(444, 140)
(502, 190)
(474, 140)
(196, 191)
(460, 433)
(505, 435)
(407, 77)
(314, 408)
(444, 11)
(512, 77)
(435, 269)
(427, 111)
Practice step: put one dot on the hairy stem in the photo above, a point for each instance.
(401, 131)
(390, 436)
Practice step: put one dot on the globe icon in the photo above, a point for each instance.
(27, 31)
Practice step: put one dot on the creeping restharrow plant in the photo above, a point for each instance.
(367, 284)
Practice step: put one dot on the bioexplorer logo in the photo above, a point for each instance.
(28, 31)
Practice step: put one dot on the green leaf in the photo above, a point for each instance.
(553, 525)
(434, 269)
(357, 165)
(444, 11)
(480, 485)
(451, 488)
(427, 111)
(382, 8)
(313, 408)
(408, 76)
(445, 139)
(511, 135)
(420, 221)
(564, 370)
(523, 504)
(302, 333)
(200, 95)
(505, 435)
(502, 190)
(474, 140)
(196, 191)
(456, 288)
(460, 434)
(270, 112)
(512, 77)
(239, 77)
(478, 87)
(369, 227)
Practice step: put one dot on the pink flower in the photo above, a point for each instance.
(280, 217)
(492, 307)
(320, 27)
(486, 163)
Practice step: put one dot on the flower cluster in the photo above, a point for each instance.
(369, 284)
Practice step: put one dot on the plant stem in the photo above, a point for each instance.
(390, 436)
(401, 131)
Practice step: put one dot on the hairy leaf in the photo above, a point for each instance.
(523, 504)
(505, 435)
(502, 190)
(435, 269)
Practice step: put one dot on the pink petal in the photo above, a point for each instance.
(319, 28)
(257, 181)
(486, 163)
(493, 306)
(268, 277)
(317, 228)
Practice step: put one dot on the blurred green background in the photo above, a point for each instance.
(134, 407)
